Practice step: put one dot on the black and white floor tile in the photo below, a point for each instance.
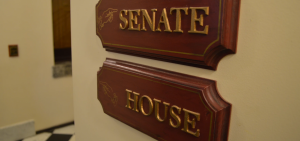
(66, 133)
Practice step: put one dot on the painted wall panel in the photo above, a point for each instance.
(261, 80)
(27, 89)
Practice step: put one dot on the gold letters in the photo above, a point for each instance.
(175, 116)
(141, 103)
(164, 19)
(123, 19)
(178, 17)
(200, 20)
(135, 100)
(150, 22)
(157, 110)
(187, 121)
(133, 18)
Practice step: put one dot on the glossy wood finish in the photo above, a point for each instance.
(193, 93)
(197, 50)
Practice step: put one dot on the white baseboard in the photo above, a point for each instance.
(17, 131)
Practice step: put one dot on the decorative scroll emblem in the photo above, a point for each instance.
(108, 91)
(107, 16)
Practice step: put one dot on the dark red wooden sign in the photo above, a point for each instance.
(167, 106)
(191, 32)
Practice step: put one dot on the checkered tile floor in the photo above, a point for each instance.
(66, 133)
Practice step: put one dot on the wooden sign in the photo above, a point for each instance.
(167, 106)
(191, 32)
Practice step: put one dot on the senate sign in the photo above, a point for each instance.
(191, 32)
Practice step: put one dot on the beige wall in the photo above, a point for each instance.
(261, 81)
(27, 89)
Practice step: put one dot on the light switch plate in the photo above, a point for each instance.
(13, 50)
